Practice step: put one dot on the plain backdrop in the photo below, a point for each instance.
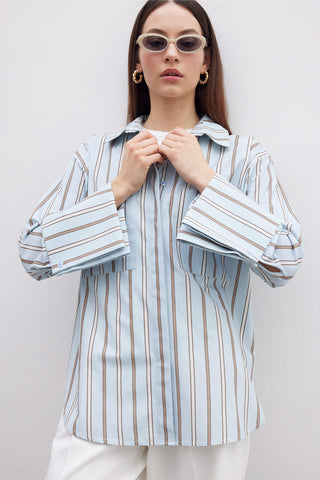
(63, 78)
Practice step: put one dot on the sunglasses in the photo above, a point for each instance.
(158, 43)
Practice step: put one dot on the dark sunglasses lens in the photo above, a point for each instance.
(154, 43)
(189, 44)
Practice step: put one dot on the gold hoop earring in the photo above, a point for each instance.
(206, 79)
(134, 76)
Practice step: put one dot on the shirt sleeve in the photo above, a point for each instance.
(255, 223)
(71, 230)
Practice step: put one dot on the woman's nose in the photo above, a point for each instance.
(171, 51)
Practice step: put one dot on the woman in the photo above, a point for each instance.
(165, 220)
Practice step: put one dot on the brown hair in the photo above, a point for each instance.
(209, 98)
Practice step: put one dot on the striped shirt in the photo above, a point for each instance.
(163, 345)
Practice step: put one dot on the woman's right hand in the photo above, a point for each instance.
(139, 153)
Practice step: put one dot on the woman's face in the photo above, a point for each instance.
(173, 21)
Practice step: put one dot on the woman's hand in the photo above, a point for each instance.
(139, 154)
(184, 152)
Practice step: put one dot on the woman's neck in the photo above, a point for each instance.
(171, 113)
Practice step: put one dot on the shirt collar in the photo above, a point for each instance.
(206, 125)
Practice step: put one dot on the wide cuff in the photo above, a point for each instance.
(225, 220)
(91, 232)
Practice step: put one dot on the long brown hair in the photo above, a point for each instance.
(210, 98)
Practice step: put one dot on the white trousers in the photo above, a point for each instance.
(73, 458)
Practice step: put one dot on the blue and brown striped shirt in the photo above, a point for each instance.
(163, 345)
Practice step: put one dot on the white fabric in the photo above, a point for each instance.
(73, 458)
(160, 135)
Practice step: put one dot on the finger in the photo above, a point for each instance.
(149, 150)
(179, 131)
(171, 143)
(147, 142)
(156, 157)
(142, 135)
(177, 134)
(164, 150)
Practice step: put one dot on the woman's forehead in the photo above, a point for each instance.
(171, 19)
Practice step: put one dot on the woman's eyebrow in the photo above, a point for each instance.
(158, 30)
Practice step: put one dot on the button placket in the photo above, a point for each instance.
(163, 181)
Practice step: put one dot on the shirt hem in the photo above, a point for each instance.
(217, 441)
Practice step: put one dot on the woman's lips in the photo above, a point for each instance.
(172, 78)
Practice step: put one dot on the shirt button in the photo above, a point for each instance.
(162, 184)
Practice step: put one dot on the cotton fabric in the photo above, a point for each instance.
(72, 458)
(163, 346)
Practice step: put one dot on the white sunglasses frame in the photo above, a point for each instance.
(170, 40)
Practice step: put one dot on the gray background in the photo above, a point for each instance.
(63, 78)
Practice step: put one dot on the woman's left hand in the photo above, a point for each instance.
(184, 152)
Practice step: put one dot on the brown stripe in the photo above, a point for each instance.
(204, 262)
(190, 258)
(124, 141)
(74, 429)
(34, 262)
(243, 205)
(270, 190)
(233, 357)
(266, 278)
(84, 241)
(163, 391)
(282, 204)
(174, 316)
(214, 220)
(74, 366)
(234, 155)
(133, 363)
(254, 145)
(245, 163)
(90, 369)
(223, 386)
(79, 212)
(208, 156)
(118, 360)
(100, 192)
(144, 290)
(287, 202)
(80, 189)
(44, 201)
(235, 289)
(32, 247)
(179, 219)
(81, 227)
(72, 377)
(104, 366)
(257, 181)
(192, 380)
(251, 376)
(83, 163)
(111, 145)
(219, 163)
(98, 164)
(224, 273)
(50, 205)
(207, 361)
(286, 247)
(236, 217)
(68, 260)
(66, 191)
(242, 334)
